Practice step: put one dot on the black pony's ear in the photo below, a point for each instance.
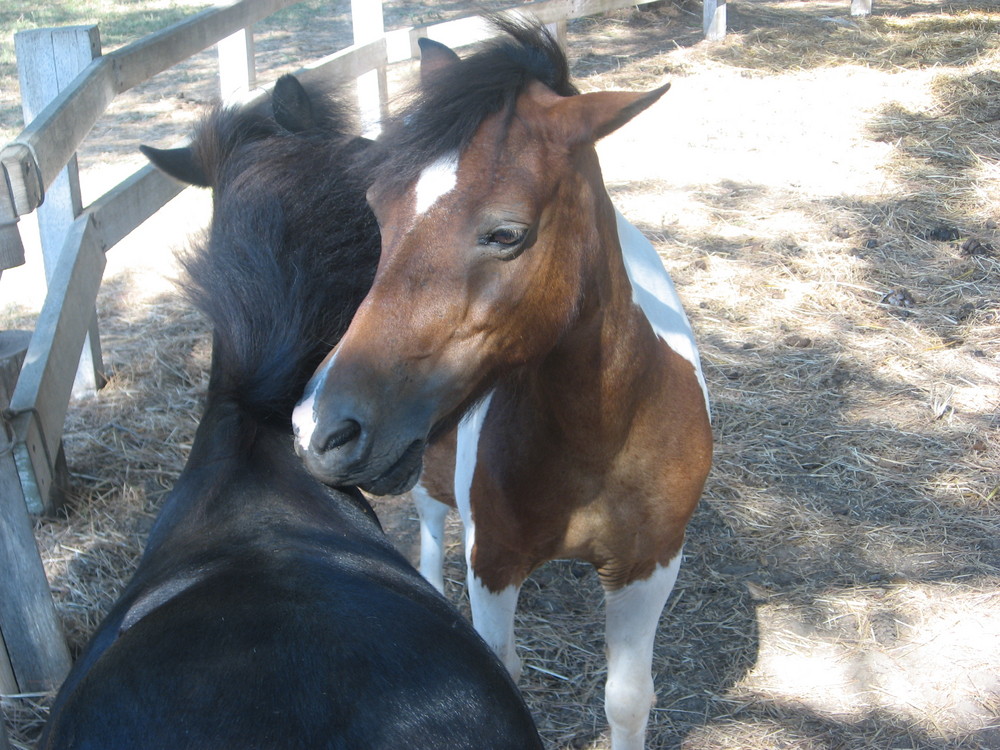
(291, 106)
(434, 56)
(179, 163)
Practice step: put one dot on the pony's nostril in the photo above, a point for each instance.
(348, 431)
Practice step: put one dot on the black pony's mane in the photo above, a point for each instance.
(289, 256)
(451, 106)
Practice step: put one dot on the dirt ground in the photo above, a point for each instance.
(824, 191)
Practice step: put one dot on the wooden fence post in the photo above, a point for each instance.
(714, 19)
(47, 62)
(4, 744)
(373, 89)
(559, 30)
(8, 682)
(35, 651)
(861, 7)
(237, 72)
(11, 248)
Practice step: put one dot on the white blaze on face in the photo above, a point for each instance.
(304, 420)
(304, 414)
(437, 179)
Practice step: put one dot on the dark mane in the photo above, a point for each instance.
(451, 106)
(290, 254)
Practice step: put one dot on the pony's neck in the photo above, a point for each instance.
(596, 377)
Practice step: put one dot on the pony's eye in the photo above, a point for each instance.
(504, 237)
(506, 242)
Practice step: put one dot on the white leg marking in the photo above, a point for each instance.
(438, 179)
(492, 613)
(432, 516)
(633, 613)
(493, 618)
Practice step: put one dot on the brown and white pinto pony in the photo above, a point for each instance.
(513, 301)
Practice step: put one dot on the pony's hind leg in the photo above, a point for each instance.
(432, 517)
(633, 613)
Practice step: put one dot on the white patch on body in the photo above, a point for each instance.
(633, 613)
(492, 612)
(432, 517)
(653, 291)
(438, 179)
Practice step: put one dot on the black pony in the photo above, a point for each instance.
(267, 610)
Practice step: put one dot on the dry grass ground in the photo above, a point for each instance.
(825, 192)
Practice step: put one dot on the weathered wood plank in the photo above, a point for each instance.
(4, 743)
(714, 19)
(47, 62)
(42, 149)
(31, 631)
(237, 72)
(46, 377)
(861, 7)
(368, 24)
(346, 64)
(46, 145)
(459, 32)
(129, 203)
(141, 60)
(11, 247)
(8, 683)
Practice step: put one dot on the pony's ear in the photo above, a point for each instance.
(291, 106)
(587, 118)
(434, 56)
(179, 163)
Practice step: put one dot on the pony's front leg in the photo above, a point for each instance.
(493, 618)
(432, 517)
(633, 613)
(492, 611)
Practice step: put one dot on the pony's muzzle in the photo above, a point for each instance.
(333, 448)
(346, 433)
(340, 451)
(334, 455)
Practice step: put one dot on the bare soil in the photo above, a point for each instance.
(824, 191)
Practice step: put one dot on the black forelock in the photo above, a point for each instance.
(449, 108)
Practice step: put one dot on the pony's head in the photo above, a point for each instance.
(495, 230)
